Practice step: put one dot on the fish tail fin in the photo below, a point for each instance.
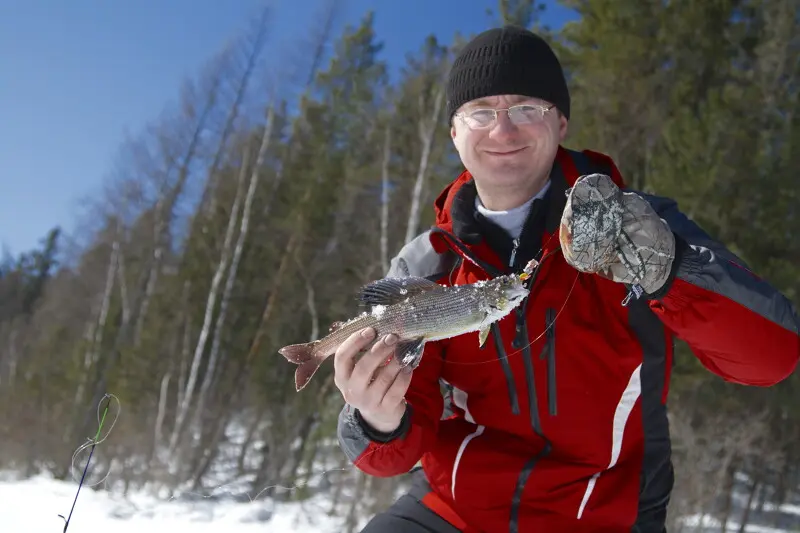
(304, 373)
(304, 356)
(298, 353)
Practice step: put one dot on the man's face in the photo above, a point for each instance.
(505, 154)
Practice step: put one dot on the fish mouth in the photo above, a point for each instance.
(513, 297)
(517, 293)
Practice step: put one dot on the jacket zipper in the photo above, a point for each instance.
(520, 340)
(457, 246)
(549, 352)
(513, 253)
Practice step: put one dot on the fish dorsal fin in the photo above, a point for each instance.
(388, 291)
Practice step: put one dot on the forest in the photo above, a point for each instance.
(247, 215)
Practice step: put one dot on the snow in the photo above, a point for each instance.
(33, 506)
(769, 518)
(710, 524)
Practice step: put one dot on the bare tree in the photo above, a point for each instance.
(255, 42)
(213, 293)
(97, 328)
(244, 226)
(430, 103)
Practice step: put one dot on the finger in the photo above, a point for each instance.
(345, 355)
(384, 379)
(369, 363)
(396, 394)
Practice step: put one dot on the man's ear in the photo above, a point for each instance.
(563, 127)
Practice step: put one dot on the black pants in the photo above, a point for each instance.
(409, 515)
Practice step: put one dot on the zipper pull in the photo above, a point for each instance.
(513, 253)
(635, 291)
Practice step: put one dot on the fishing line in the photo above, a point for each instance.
(519, 350)
(637, 272)
(544, 331)
(291, 488)
(380, 446)
(253, 499)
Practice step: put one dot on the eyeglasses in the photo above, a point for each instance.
(479, 119)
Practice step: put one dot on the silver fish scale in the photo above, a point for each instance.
(435, 314)
(417, 310)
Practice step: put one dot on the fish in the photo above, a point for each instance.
(418, 311)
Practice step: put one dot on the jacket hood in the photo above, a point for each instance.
(444, 202)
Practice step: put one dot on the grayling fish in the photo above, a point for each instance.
(417, 311)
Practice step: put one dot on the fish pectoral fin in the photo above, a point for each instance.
(483, 334)
(409, 352)
(389, 291)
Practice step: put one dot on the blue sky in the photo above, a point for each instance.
(76, 76)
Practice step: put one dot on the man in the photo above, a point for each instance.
(558, 423)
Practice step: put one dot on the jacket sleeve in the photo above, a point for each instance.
(738, 325)
(387, 455)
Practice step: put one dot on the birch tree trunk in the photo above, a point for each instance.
(211, 301)
(90, 357)
(205, 207)
(319, 50)
(178, 354)
(185, 345)
(164, 209)
(160, 414)
(426, 134)
(123, 288)
(237, 256)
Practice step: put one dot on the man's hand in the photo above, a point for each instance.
(615, 234)
(371, 385)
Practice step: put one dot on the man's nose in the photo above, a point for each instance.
(503, 126)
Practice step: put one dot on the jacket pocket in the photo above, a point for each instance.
(549, 353)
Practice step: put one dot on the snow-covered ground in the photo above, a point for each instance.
(33, 506)
(709, 524)
(767, 519)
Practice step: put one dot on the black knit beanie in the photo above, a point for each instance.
(507, 60)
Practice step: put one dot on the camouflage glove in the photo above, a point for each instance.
(615, 234)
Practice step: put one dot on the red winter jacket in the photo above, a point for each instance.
(559, 422)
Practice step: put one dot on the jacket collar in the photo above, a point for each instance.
(455, 205)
